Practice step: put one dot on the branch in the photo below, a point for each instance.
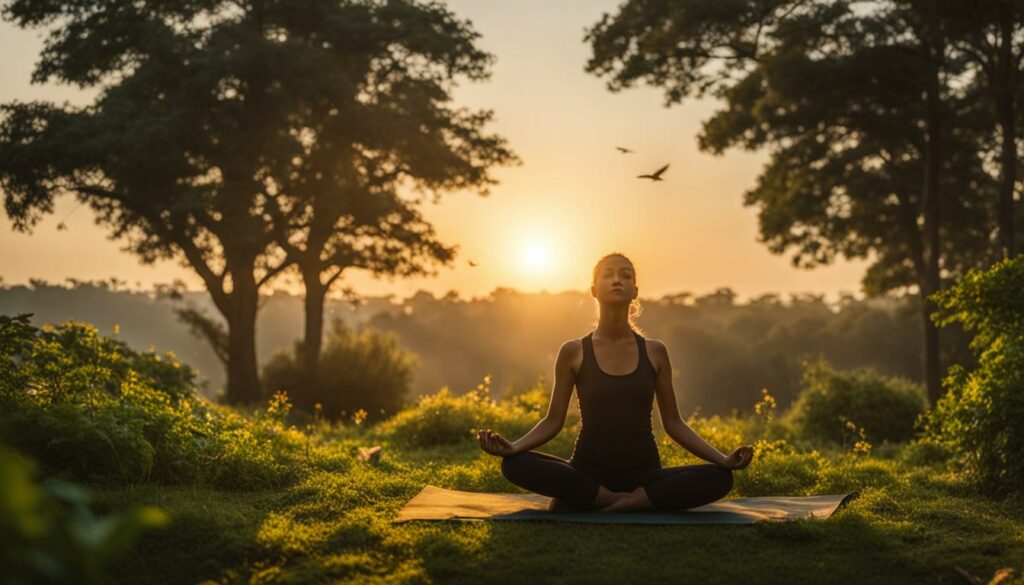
(985, 63)
(289, 259)
(214, 282)
(334, 277)
(278, 224)
(206, 328)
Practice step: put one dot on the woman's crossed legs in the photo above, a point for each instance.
(578, 485)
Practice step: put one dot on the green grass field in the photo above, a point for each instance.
(915, 522)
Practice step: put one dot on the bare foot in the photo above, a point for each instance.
(606, 497)
(635, 500)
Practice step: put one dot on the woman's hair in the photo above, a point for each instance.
(634, 305)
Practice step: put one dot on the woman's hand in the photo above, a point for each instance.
(494, 443)
(740, 458)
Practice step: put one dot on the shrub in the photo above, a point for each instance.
(979, 417)
(74, 357)
(925, 451)
(88, 408)
(780, 470)
(725, 433)
(363, 369)
(831, 404)
(441, 418)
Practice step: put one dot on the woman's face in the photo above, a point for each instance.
(615, 281)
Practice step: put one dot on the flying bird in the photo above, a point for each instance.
(655, 176)
(471, 263)
(63, 226)
(623, 150)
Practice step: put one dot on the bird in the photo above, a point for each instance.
(623, 150)
(471, 263)
(655, 176)
(63, 226)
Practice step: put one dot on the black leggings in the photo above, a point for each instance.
(576, 483)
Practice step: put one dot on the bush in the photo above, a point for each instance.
(979, 417)
(74, 357)
(441, 418)
(89, 408)
(925, 451)
(363, 369)
(780, 471)
(831, 404)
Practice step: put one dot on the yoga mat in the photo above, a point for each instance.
(436, 503)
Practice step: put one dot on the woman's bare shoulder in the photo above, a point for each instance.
(572, 352)
(572, 346)
(658, 353)
(656, 344)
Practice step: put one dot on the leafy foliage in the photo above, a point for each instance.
(48, 534)
(979, 417)
(364, 369)
(876, 407)
(76, 358)
(89, 408)
(441, 418)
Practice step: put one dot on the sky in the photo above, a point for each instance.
(574, 198)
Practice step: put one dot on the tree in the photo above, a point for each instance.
(386, 128)
(166, 156)
(989, 35)
(194, 148)
(856, 105)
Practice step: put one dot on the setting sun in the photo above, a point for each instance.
(536, 256)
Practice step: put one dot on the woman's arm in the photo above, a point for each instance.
(561, 391)
(674, 424)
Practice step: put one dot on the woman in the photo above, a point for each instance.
(615, 465)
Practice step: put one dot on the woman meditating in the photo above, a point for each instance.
(615, 465)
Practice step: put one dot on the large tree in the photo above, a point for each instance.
(387, 132)
(194, 141)
(874, 146)
(990, 34)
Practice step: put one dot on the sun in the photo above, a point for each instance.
(536, 256)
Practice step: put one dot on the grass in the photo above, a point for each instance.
(913, 523)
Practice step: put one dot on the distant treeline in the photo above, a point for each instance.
(723, 351)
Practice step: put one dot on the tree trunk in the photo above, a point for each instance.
(312, 341)
(932, 218)
(243, 384)
(1004, 90)
(933, 370)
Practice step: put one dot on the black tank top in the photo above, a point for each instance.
(615, 412)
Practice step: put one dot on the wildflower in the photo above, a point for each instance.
(766, 406)
(861, 446)
(358, 417)
(279, 406)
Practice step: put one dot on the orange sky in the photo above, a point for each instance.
(574, 198)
